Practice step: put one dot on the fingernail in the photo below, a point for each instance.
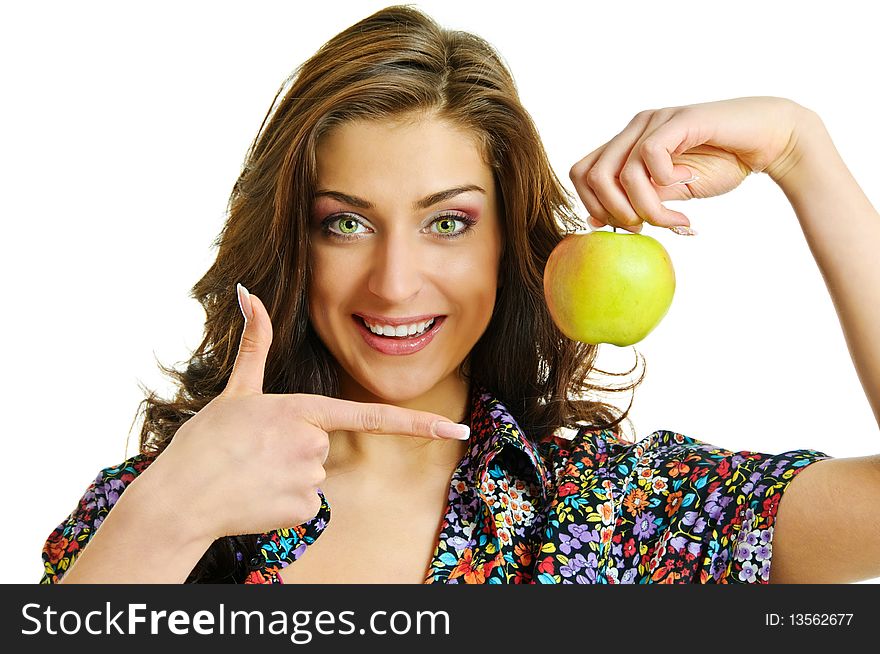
(244, 302)
(688, 181)
(683, 231)
(451, 430)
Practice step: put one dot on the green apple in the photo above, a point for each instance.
(608, 287)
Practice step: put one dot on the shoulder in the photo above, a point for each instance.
(667, 507)
(110, 482)
(71, 535)
(675, 454)
(126, 471)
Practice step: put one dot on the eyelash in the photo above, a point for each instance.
(463, 218)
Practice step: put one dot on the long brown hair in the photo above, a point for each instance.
(395, 62)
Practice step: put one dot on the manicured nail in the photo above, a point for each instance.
(451, 430)
(244, 302)
(688, 181)
(683, 231)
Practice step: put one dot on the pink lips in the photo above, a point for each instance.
(398, 346)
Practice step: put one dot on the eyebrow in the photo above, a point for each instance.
(424, 203)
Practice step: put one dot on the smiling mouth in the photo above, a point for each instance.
(428, 325)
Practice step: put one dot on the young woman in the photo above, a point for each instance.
(392, 221)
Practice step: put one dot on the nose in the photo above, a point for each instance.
(397, 275)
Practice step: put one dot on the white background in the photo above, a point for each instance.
(123, 130)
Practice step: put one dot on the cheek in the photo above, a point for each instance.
(320, 295)
(334, 283)
(325, 272)
(478, 269)
(475, 288)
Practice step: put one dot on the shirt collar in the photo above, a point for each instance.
(495, 431)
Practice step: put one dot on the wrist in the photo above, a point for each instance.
(809, 143)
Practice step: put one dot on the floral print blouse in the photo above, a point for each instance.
(579, 509)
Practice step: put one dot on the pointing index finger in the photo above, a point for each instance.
(333, 414)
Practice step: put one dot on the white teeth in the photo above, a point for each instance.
(401, 330)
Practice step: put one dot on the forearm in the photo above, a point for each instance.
(142, 540)
(842, 229)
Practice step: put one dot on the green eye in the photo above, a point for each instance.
(448, 221)
(352, 222)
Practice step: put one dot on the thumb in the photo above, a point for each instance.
(250, 362)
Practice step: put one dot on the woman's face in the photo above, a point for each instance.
(385, 244)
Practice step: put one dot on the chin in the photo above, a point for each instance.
(405, 386)
(401, 390)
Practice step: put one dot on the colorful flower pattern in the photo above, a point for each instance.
(588, 509)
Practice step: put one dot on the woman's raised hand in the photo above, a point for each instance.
(679, 153)
(250, 462)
